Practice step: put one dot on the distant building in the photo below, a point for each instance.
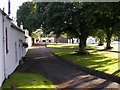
(61, 39)
(90, 40)
(52, 38)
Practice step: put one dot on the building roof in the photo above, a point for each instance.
(16, 27)
(3, 13)
(12, 24)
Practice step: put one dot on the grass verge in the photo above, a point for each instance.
(28, 81)
(105, 61)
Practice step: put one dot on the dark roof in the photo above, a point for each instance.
(12, 24)
(5, 14)
(16, 27)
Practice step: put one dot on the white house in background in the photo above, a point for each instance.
(90, 40)
(48, 39)
(11, 46)
(73, 40)
(28, 39)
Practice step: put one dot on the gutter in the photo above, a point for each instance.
(16, 27)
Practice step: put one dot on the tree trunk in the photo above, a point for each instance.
(108, 39)
(56, 39)
(101, 41)
(72, 41)
(82, 45)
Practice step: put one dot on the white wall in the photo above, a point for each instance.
(10, 60)
(16, 51)
(1, 51)
(29, 41)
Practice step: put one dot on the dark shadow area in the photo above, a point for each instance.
(109, 50)
(103, 85)
(82, 81)
(115, 51)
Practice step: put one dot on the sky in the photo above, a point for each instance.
(14, 6)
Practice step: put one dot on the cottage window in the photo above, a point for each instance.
(6, 41)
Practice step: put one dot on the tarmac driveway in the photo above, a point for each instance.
(40, 60)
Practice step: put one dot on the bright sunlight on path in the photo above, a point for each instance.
(40, 60)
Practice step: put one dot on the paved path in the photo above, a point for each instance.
(63, 75)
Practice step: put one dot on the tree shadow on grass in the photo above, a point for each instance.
(95, 61)
(103, 85)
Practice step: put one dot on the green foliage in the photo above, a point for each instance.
(36, 35)
(26, 16)
(107, 16)
(76, 19)
(100, 35)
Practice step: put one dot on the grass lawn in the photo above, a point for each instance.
(105, 61)
(61, 45)
(28, 81)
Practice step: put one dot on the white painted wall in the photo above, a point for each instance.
(29, 42)
(16, 51)
(10, 60)
(1, 51)
(28, 39)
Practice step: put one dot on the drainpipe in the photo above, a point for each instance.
(4, 48)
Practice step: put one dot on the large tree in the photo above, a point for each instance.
(78, 19)
(52, 19)
(26, 16)
(107, 16)
(70, 18)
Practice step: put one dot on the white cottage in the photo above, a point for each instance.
(28, 39)
(11, 46)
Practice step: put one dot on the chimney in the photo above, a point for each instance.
(21, 25)
(3, 9)
(9, 11)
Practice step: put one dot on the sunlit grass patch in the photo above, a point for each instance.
(28, 80)
(61, 45)
(66, 45)
(103, 61)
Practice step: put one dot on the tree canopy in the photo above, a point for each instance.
(76, 19)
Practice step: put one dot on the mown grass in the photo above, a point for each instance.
(104, 61)
(61, 45)
(28, 81)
